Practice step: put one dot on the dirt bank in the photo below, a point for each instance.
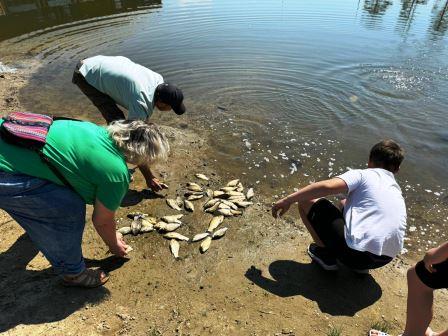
(257, 280)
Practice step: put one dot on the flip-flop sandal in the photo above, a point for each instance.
(89, 278)
(374, 332)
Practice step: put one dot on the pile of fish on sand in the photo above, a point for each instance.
(228, 201)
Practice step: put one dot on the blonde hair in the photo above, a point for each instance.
(140, 142)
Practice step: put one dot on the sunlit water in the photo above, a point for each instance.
(293, 91)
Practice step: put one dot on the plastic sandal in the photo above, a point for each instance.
(374, 332)
(88, 278)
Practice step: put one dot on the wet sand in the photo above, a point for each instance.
(257, 280)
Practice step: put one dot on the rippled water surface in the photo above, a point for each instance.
(293, 90)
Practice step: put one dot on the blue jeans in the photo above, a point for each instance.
(52, 215)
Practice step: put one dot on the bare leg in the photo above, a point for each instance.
(420, 306)
(304, 209)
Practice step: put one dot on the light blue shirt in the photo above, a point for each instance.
(127, 83)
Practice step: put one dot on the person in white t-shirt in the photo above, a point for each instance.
(368, 230)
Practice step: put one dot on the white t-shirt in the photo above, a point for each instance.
(129, 84)
(375, 212)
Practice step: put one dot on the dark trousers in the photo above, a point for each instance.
(107, 106)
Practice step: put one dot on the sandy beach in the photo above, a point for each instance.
(257, 280)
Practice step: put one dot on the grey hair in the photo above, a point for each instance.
(140, 142)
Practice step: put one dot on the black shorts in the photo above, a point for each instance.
(329, 223)
(434, 280)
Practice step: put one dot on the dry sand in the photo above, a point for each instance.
(257, 280)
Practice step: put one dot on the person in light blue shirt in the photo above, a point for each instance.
(111, 80)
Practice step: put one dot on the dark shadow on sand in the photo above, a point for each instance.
(133, 197)
(33, 297)
(337, 293)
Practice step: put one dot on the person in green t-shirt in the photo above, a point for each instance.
(93, 160)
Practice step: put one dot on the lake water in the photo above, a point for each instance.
(293, 90)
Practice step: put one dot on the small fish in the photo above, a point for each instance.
(194, 197)
(132, 215)
(224, 212)
(200, 236)
(213, 208)
(230, 204)
(209, 193)
(239, 187)
(250, 193)
(236, 212)
(174, 247)
(202, 177)
(136, 225)
(236, 198)
(233, 183)
(189, 193)
(205, 244)
(219, 233)
(234, 193)
(243, 204)
(175, 235)
(227, 189)
(125, 230)
(167, 227)
(214, 223)
(173, 204)
(149, 220)
(147, 228)
(193, 187)
(172, 218)
(179, 201)
(212, 202)
(188, 205)
(218, 193)
(223, 206)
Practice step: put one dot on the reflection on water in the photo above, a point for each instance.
(304, 88)
(38, 14)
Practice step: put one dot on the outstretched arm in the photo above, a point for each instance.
(104, 223)
(313, 191)
(151, 181)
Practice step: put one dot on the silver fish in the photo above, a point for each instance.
(179, 201)
(173, 204)
(234, 193)
(213, 208)
(189, 193)
(224, 212)
(202, 177)
(193, 187)
(236, 212)
(188, 205)
(205, 244)
(233, 183)
(239, 187)
(218, 193)
(219, 233)
(209, 193)
(230, 204)
(124, 230)
(236, 198)
(146, 228)
(136, 225)
(250, 193)
(195, 197)
(223, 206)
(167, 227)
(214, 223)
(175, 235)
(172, 218)
(227, 189)
(243, 204)
(149, 220)
(212, 202)
(174, 247)
(200, 236)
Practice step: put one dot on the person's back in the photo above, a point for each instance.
(375, 212)
(85, 155)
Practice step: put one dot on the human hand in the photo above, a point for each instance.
(155, 185)
(120, 248)
(432, 257)
(280, 208)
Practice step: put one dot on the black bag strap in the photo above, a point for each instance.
(55, 171)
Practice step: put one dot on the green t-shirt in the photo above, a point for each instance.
(84, 153)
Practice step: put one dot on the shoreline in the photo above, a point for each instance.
(257, 280)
